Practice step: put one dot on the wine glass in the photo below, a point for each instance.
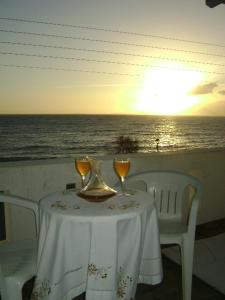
(122, 167)
(83, 166)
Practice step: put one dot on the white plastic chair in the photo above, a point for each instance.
(176, 197)
(17, 258)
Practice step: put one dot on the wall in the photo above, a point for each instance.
(35, 179)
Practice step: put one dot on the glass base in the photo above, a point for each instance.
(126, 192)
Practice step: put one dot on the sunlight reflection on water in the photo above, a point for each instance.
(39, 137)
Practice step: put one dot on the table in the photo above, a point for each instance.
(103, 249)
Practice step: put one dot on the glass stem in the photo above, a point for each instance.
(122, 184)
(82, 180)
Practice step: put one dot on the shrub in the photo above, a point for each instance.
(125, 144)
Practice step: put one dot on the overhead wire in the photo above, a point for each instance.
(111, 30)
(105, 41)
(110, 73)
(104, 51)
(111, 52)
(67, 69)
(107, 61)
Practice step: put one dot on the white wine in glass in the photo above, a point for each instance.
(83, 166)
(122, 167)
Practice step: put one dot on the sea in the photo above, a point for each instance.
(34, 137)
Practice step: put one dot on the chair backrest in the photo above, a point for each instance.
(17, 257)
(173, 192)
(22, 202)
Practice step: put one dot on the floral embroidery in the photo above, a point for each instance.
(63, 205)
(76, 207)
(60, 204)
(123, 282)
(98, 272)
(131, 204)
(42, 289)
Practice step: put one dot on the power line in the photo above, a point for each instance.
(68, 70)
(105, 61)
(113, 31)
(71, 58)
(111, 42)
(104, 51)
(74, 38)
(112, 52)
(109, 73)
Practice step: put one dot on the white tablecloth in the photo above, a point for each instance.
(103, 249)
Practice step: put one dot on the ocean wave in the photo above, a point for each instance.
(45, 137)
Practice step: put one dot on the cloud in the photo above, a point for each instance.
(222, 92)
(203, 89)
(211, 109)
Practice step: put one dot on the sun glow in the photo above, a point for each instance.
(165, 90)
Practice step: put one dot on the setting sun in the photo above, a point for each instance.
(165, 90)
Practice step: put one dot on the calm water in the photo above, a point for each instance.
(54, 136)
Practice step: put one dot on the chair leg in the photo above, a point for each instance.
(187, 251)
(13, 290)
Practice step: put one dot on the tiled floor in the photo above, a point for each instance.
(170, 288)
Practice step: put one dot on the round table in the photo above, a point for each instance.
(103, 249)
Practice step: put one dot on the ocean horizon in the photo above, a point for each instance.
(46, 136)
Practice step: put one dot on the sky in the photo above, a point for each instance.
(151, 57)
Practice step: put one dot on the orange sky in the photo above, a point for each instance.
(149, 59)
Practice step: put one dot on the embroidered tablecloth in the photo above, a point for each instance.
(103, 249)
